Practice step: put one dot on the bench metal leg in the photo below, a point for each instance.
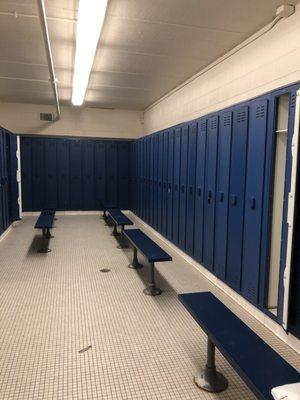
(210, 379)
(135, 262)
(122, 243)
(48, 234)
(115, 231)
(44, 248)
(152, 290)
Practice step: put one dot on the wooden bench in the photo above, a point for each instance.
(256, 362)
(45, 222)
(119, 219)
(140, 241)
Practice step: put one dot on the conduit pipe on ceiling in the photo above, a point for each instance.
(281, 13)
(52, 77)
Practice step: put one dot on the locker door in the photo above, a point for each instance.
(142, 161)
(210, 191)
(160, 180)
(165, 184)
(176, 176)
(200, 179)
(223, 170)
(88, 175)
(183, 185)
(26, 163)
(257, 139)
(155, 183)
(170, 185)
(236, 196)
(38, 174)
(14, 213)
(63, 166)
(151, 179)
(140, 178)
(50, 174)
(112, 173)
(147, 161)
(123, 174)
(75, 175)
(3, 205)
(190, 216)
(100, 173)
(5, 184)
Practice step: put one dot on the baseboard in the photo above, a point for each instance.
(6, 232)
(272, 325)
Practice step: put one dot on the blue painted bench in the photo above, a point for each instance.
(255, 361)
(140, 241)
(119, 219)
(45, 223)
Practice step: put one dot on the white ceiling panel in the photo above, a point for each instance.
(146, 48)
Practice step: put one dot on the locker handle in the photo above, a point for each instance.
(233, 200)
(221, 197)
(191, 189)
(165, 185)
(182, 188)
(252, 203)
(159, 184)
(209, 197)
(199, 192)
(175, 187)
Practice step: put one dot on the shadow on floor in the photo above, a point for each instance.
(38, 243)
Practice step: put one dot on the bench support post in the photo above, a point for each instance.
(44, 248)
(115, 231)
(152, 290)
(122, 243)
(135, 262)
(210, 379)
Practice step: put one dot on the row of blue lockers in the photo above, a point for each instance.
(206, 185)
(74, 174)
(9, 208)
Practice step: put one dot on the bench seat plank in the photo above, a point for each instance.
(255, 361)
(119, 218)
(44, 221)
(146, 246)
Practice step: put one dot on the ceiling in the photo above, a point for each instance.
(147, 47)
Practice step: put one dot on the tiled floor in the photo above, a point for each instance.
(54, 305)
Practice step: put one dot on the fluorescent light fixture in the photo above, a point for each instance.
(90, 19)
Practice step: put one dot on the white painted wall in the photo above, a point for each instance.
(90, 122)
(268, 63)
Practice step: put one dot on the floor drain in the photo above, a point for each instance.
(85, 349)
(105, 270)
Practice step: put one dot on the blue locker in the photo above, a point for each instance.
(63, 175)
(170, 185)
(88, 175)
(75, 175)
(236, 196)
(140, 178)
(142, 161)
(155, 181)
(190, 211)
(111, 165)
(50, 174)
(26, 163)
(38, 173)
(222, 194)
(176, 183)
(151, 175)
(257, 139)
(123, 174)
(147, 159)
(4, 206)
(160, 181)
(100, 173)
(165, 184)
(200, 180)
(210, 191)
(13, 183)
(183, 185)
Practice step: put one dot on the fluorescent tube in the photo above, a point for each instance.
(90, 20)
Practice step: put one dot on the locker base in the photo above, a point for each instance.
(152, 291)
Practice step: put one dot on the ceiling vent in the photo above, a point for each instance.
(46, 117)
